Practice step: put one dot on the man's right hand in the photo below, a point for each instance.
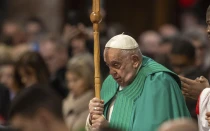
(99, 122)
(96, 107)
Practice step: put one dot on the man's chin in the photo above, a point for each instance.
(122, 84)
(119, 83)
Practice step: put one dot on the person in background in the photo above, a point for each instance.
(35, 29)
(164, 50)
(7, 71)
(55, 54)
(179, 125)
(168, 30)
(31, 69)
(8, 88)
(37, 108)
(12, 33)
(149, 42)
(193, 88)
(79, 77)
(72, 27)
(182, 60)
(78, 45)
(189, 19)
(199, 41)
(7, 77)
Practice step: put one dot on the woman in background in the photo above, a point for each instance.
(31, 69)
(7, 71)
(80, 81)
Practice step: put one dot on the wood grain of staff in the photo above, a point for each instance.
(96, 18)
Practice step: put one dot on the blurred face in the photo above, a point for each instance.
(179, 63)
(7, 76)
(76, 84)
(27, 124)
(149, 42)
(33, 28)
(28, 77)
(188, 20)
(10, 28)
(78, 46)
(208, 22)
(122, 67)
(165, 49)
(50, 55)
(168, 30)
(200, 52)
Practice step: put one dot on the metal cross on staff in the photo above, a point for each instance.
(96, 18)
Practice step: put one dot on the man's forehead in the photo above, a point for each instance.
(112, 54)
(111, 50)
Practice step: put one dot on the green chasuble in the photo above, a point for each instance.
(153, 97)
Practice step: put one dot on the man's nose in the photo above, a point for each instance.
(112, 71)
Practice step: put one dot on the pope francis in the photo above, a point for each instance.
(139, 94)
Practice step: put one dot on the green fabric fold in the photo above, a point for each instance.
(123, 112)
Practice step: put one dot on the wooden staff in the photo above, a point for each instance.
(96, 18)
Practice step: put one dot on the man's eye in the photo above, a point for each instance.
(116, 65)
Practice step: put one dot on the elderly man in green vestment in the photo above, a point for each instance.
(139, 94)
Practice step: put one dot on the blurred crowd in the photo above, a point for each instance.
(30, 55)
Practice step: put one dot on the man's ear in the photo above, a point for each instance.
(136, 61)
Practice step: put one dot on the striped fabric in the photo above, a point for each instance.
(125, 99)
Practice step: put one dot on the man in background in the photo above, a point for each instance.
(37, 109)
